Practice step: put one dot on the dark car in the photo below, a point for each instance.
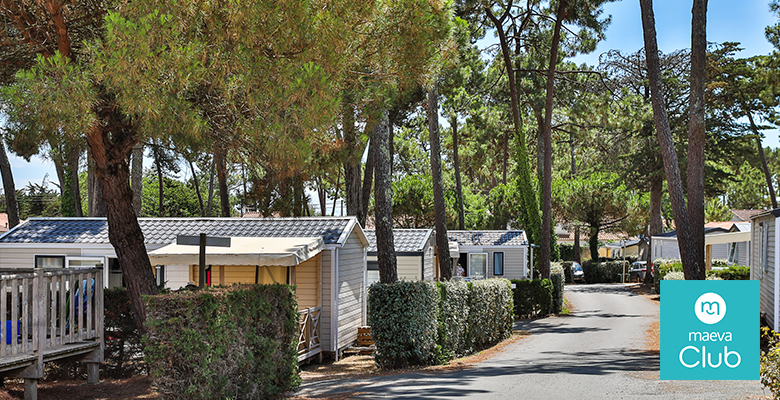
(638, 271)
(578, 274)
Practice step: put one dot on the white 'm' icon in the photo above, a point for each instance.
(710, 308)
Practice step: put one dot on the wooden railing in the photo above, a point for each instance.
(309, 333)
(48, 313)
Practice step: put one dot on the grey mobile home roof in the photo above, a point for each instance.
(488, 238)
(405, 240)
(164, 230)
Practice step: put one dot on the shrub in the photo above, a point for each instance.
(567, 272)
(604, 272)
(490, 312)
(675, 276)
(237, 342)
(556, 278)
(732, 273)
(453, 319)
(770, 362)
(533, 298)
(404, 323)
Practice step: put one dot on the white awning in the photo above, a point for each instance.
(731, 237)
(271, 251)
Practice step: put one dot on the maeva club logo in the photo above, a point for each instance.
(710, 330)
(710, 308)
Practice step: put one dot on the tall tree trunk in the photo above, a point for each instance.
(160, 185)
(352, 164)
(96, 206)
(663, 131)
(545, 246)
(321, 195)
(336, 194)
(458, 184)
(11, 204)
(210, 200)
(529, 213)
(72, 180)
(764, 167)
(137, 179)
(656, 223)
(111, 152)
(197, 188)
(577, 249)
(696, 134)
(505, 161)
(593, 243)
(440, 212)
(383, 200)
(66, 206)
(220, 160)
(368, 177)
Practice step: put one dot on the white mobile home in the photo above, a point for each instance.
(329, 270)
(491, 254)
(415, 254)
(765, 232)
(730, 243)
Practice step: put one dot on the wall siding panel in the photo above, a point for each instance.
(350, 290)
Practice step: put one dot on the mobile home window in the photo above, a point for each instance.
(49, 261)
(498, 263)
(478, 264)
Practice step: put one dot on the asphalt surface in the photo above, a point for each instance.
(595, 353)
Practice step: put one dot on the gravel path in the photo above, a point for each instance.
(596, 353)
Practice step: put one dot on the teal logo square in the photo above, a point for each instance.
(710, 330)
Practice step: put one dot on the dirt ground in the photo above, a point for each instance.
(653, 333)
(140, 387)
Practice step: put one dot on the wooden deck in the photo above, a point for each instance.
(48, 314)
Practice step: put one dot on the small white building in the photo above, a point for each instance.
(415, 251)
(491, 254)
(328, 253)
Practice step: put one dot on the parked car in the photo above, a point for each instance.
(578, 274)
(638, 270)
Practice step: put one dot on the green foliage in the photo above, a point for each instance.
(533, 298)
(664, 267)
(674, 276)
(598, 200)
(770, 362)
(422, 323)
(453, 319)
(404, 323)
(179, 198)
(715, 210)
(604, 272)
(237, 342)
(567, 272)
(557, 280)
(413, 202)
(490, 312)
(732, 273)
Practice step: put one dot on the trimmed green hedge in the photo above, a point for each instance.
(422, 323)
(557, 279)
(490, 312)
(404, 323)
(238, 342)
(453, 319)
(533, 298)
(604, 272)
(732, 273)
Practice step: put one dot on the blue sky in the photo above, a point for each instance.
(736, 21)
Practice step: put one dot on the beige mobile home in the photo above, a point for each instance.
(324, 257)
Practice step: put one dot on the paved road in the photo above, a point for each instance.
(596, 353)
